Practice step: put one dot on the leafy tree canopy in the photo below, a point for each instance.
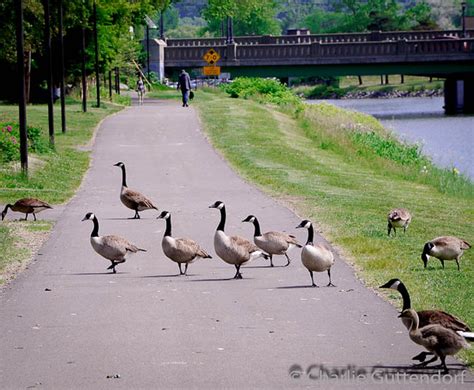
(250, 17)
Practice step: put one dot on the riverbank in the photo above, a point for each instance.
(305, 160)
(372, 87)
(446, 140)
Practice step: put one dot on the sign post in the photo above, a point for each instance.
(211, 57)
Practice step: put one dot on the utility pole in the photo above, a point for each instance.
(49, 58)
(149, 24)
(463, 18)
(83, 71)
(96, 41)
(61, 68)
(20, 57)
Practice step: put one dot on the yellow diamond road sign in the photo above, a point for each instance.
(211, 56)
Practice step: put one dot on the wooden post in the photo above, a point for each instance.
(61, 68)
(49, 59)
(20, 57)
(96, 41)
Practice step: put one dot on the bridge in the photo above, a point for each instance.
(446, 54)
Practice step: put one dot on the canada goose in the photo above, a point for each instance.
(398, 218)
(316, 257)
(27, 206)
(180, 250)
(133, 199)
(445, 248)
(427, 317)
(435, 338)
(233, 250)
(272, 243)
(113, 248)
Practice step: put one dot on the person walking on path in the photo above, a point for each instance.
(140, 89)
(184, 83)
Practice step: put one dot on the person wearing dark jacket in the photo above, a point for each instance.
(184, 83)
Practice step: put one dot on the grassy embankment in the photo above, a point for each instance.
(350, 85)
(343, 171)
(53, 176)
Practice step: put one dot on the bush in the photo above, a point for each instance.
(10, 141)
(267, 90)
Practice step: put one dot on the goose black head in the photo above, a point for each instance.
(426, 249)
(88, 216)
(250, 218)
(217, 205)
(4, 212)
(392, 283)
(164, 215)
(119, 164)
(304, 224)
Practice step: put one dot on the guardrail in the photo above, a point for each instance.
(321, 52)
(323, 38)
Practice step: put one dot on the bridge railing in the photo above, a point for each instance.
(317, 52)
(323, 38)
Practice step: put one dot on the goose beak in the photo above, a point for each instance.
(84, 219)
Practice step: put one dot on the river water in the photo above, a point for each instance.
(448, 140)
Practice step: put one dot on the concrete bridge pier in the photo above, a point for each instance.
(157, 58)
(458, 96)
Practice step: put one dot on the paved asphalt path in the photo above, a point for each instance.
(155, 329)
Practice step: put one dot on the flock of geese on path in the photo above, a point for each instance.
(441, 333)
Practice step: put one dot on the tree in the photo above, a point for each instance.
(116, 45)
(250, 17)
(371, 15)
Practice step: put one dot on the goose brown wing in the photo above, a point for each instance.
(244, 243)
(138, 198)
(442, 318)
(32, 202)
(120, 244)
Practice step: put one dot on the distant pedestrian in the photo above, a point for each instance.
(140, 89)
(56, 93)
(184, 83)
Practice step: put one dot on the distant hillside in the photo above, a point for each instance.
(190, 8)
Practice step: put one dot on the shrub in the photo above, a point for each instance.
(10, 141)
(266, 90)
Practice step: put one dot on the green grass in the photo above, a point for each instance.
(53, 177)
(311, 161)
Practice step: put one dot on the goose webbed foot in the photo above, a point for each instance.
(112, 267)
(180, 270)
(237, 275)
(271, 260)
(421, 357)
(288, 260)
(330, 282)
(34, 216)
(425, 363)
(137, 216)
(26, 217)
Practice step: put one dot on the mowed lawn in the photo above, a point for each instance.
(53, 176)
(298, 159)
